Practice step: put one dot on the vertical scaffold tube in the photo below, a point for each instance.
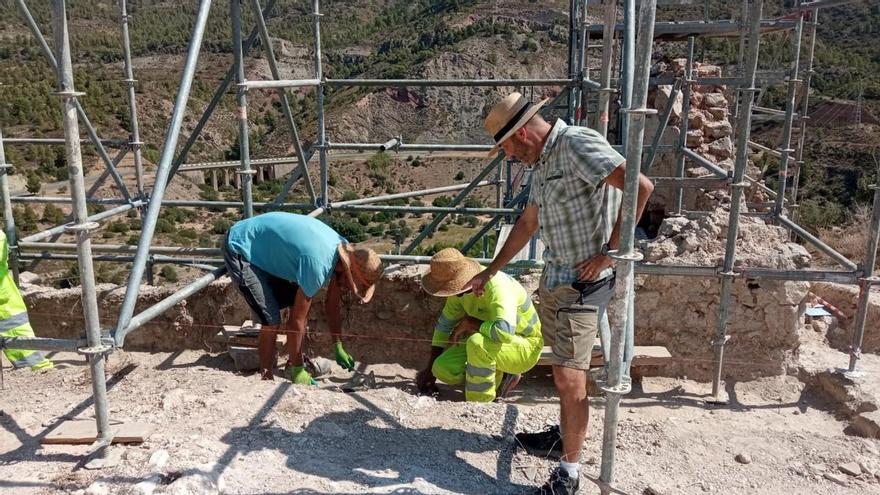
(685, 122)
(162, 173)
(868, 272)
(625, 255)
(785, 151)
(8, 219)
(135, 139)
(603, 114)
(743, 127)
(244, 148)
(82, 227)
(319, 101)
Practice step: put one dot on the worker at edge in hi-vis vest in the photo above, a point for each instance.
(14, 318)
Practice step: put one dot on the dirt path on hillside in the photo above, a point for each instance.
(232, 433)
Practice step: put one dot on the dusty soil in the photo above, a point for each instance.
(250, 436)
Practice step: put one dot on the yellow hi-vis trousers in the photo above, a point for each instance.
(14, 318)
(480, 362)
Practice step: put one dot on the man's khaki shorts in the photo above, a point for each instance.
(570, 319)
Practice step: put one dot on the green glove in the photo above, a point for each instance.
(300, 376)
(343, 358)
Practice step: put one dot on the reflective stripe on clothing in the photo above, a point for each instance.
(479, 387)
(13, 321)
(472, 370)
(14, 318)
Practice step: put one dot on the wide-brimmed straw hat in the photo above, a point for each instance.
(450, 272)
(508, 115)
(363, 269)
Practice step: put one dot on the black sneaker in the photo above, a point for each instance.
(547, 443)
(560, 483)
(508, 383)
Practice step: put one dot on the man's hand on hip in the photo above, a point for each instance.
(590, 268)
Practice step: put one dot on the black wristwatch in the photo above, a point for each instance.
(605, 248)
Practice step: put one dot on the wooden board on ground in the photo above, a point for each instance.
(242, 336)
(643, 355)
(81, 431)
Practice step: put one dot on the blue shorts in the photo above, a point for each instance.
(265, 293)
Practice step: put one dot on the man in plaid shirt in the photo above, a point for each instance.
(577, 182)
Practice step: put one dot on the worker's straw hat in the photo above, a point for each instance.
(508, 115)
(363, 269)
(449, 274)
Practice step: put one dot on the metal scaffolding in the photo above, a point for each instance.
(635, 36)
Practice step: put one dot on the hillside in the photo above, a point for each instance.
(377, 39)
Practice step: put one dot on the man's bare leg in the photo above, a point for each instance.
(294, 343)
(266, 350)
(575, 410)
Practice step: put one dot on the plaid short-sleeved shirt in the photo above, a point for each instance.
(576, 211)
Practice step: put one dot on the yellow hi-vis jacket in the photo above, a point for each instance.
(504, 308)
(13, 316)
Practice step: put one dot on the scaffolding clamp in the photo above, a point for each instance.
(82, 227)
(720, 341)
(634, 256)
(130, 82)
(5, 166)
(96, 350)
(68, 94)
(748, 90)
(623, 388)
(249, 171)
(640, 111)
(730, 274)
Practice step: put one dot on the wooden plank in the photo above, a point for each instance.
(81, 431)
(643, 355)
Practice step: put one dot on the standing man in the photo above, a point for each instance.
(281, 260)
(485, 342)
(572, 205)
(14, 318)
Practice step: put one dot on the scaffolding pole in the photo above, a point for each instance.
(678, 199)
(603, 116)
(785, 144)
(162, 174)
(83, 118)
(805, 108)
(96, 350)
(246, 174)
(319, 101)
(215, 100)
(135, 139)
(739, 184)
(285, 102)
(867, 279)
(8, 217)
(626, 255)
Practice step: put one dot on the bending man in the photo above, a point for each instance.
(281, 260)
(479, 340)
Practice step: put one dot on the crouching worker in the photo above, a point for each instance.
(484, 342)
(14, 318)
(281, 260)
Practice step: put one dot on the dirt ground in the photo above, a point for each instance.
(230, 432)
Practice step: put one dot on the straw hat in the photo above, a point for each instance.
(450, 272)
(363, 269)
(508, 115)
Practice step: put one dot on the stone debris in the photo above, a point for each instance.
(836, 478)
(743, 458)
(98, 488)
(147, 486)
(159, 459)
(850, 468)
(205, 479)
